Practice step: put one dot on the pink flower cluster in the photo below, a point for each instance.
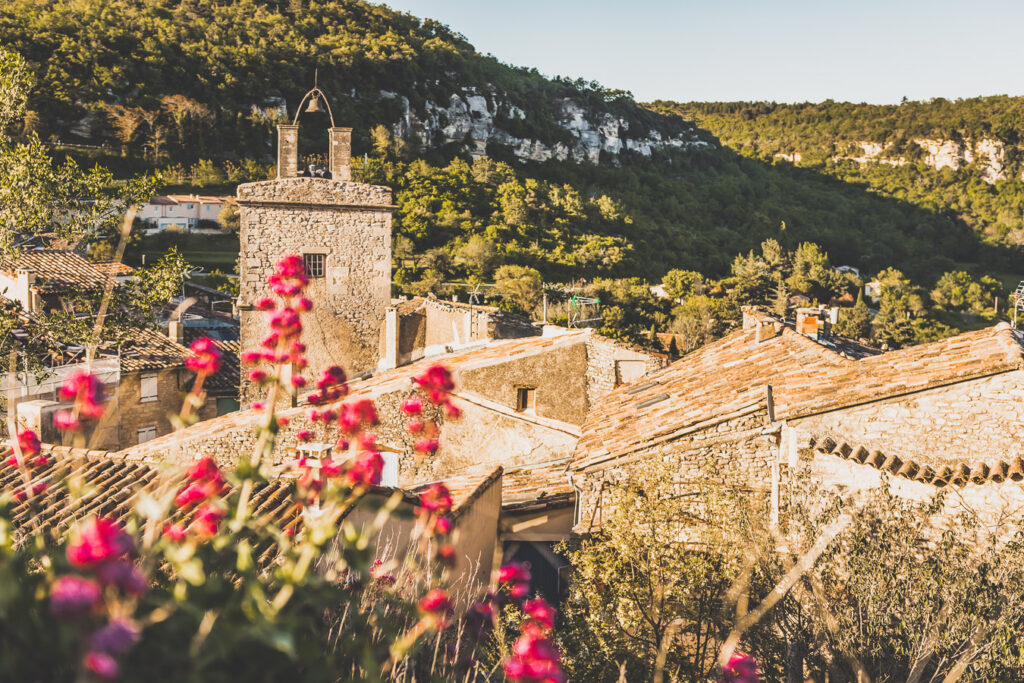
(86, 391)
(436, 384)
(204, 358)
(100, 548)
(31, 458)
(282, 346)
(535, 659)
(436, 606)
(205, 485)
(741, 668)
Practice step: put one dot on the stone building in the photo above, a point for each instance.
(342, 229)
(745, 409)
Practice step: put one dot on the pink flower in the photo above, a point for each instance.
(258, 376)
(175, 532)
(365, 469)
(124, 575)
(534, 658)
(207, 520)
(436, 498)
(251, 357)
(414, 425)
(265, 304)
(356, 415)
(541, 612)
(514, 572)
(742, 668)
(436, 604)
(28, 442)
(204, 469)
(190, 496)
(116, 638)
(87, 391)
(426, 445)
(303, 305)
(102, 664)
(446, 555)
(304, 435)
(298, 381)
(412, 406)
(452, 411)
(437, 383)
(98, 540)
(65, 421)
(73, 596)
(205, 357)
(442, 525)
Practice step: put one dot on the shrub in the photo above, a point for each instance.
(200, 584)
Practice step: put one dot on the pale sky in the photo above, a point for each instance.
(782, 50)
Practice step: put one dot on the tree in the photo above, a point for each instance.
(521, 285)
(679, 283)
(638, 588)
(40, 196)
(126, 121)
(855, 322)
(229, 218)
(478, 255)
(812, 274)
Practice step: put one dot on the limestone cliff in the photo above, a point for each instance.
(475, 121)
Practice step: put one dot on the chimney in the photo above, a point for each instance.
(391, 337)
(287, 151)
(176, 330)
(749, 317)
(341, 153)
(26, 280)
(807, 322)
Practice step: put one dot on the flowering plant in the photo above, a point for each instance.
(249, 573)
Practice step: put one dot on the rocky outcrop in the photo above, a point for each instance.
(989, 154)
(474, 120)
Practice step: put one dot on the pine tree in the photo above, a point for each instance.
(855, 323)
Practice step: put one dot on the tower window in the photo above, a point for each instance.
(526, 399)
(315, 264)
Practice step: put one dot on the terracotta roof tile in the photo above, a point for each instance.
(728, 378)
(959, 474)
(545, 484)
(148, 349)
(57, 270)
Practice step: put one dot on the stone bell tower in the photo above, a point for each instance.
(342, 229)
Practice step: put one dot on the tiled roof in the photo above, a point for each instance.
(148, 349)
(959, 475)
(114, 268)
(385, 382)
(226, 380)
(545, 484)
(729, 378)
(57, 269)
(112, 485)
(465, 488)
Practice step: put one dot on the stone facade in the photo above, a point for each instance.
(964, 422)
(350, 225)
(611, 364)
(733, 453)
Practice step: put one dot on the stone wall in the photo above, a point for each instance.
(558, 376)
(604, 372)
(135, 414)
(977, 420)
(731, 454)
(348, 222)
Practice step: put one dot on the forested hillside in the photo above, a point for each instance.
(495, 165)
(963, 156)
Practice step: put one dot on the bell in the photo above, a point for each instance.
(314, 105)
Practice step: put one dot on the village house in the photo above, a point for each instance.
(182, 211)
(144, 375)
(747, 410)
